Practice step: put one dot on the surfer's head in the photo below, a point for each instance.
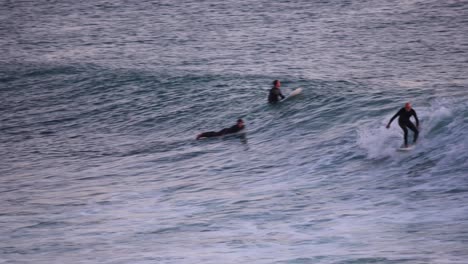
(276, 83)
(240, 122)
(408, 106)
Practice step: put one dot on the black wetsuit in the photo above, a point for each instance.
(405, 123)
(274, 94)
(222, 132)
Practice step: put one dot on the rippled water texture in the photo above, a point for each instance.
(101, 101)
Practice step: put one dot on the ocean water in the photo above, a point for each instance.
(101, 101)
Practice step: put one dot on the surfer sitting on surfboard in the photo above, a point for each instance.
(235, 128)
(404, 121)
(275, 92)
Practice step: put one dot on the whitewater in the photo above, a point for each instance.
(101, 103)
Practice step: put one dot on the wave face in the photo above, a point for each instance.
(101, 103)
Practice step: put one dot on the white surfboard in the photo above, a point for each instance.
(403, 148)
(293, 93)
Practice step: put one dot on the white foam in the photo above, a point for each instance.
(379, 142)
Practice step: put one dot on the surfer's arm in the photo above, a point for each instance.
(393, 118)
(416, 117)
(278, 93)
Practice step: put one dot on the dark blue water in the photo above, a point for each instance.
(101, 102)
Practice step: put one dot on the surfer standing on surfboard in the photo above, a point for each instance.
(275, 92)
(405, 114)
(235, 128)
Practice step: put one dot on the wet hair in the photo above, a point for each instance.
(239, 120)
(275, 82)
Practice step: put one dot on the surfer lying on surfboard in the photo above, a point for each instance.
(404, 121)
(230, 130)
(275, 92)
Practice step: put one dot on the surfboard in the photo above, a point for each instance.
(402, 148)
(293, 93)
